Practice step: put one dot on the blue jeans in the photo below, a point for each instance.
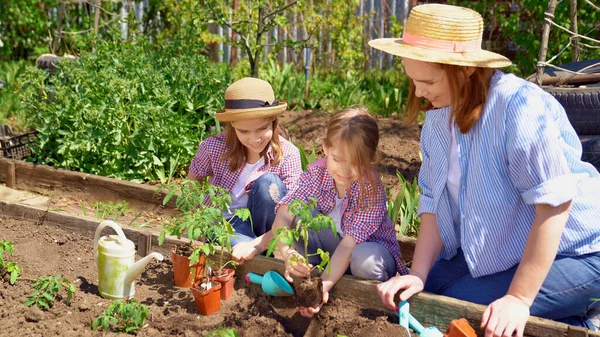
(565, 294)
(369, 260)
(262, 208)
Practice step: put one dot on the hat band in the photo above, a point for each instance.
(248, 104)
(447, 46)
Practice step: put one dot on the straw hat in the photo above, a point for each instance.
(443, 34)
(250, 98)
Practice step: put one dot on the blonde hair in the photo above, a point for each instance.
(237, 153)
(467, 99)
(355, 132)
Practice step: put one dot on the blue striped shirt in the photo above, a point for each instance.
(522, 152)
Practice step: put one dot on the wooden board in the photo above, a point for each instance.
(427, 308)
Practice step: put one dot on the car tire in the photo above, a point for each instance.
(582, 105)
(591, 150)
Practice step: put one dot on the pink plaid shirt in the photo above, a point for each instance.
(364, 225)
(208, 162)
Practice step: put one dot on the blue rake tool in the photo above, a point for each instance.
(406, 320)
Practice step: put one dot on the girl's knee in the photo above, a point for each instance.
(367, 265)
(269, 186)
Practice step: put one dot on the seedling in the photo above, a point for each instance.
(104, 209)
(304, 211)
(46, 290)
(223, 332)
(122, 316)
(12, 268)
(404, 206)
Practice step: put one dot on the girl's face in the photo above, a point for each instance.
(430, 81)
(344, 172)
(255, 135)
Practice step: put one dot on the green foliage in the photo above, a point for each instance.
(11, 109)
(516, 28)
(306, 158)
(128, 110)
(304, 212)
(202, 218)
(46, 290)
(105, 209)
(121, 316)
(222, 332)
(12, 268)
(404, 206)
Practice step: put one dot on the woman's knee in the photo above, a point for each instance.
(270, 187)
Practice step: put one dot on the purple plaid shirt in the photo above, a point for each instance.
(208, 162)
(364, 225)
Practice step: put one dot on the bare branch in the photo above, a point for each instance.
(281, 9)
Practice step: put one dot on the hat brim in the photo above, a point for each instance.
(482, 58)
(232, 115)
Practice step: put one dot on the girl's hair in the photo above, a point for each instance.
(355, 132)
(237, 151)
(467, 99)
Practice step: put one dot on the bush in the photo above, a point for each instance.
(128, 110)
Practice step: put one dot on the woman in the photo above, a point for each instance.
(509, 212)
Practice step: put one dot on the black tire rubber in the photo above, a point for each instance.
(582, 105)
(591, 150)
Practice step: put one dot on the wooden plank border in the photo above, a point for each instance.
(427, 308)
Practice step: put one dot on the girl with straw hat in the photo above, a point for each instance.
(509, 212)
(250, 159)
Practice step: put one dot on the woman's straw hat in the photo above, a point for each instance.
(250, 98)
(443, 34)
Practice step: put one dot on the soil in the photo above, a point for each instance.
(43, 250)
(309, 291)
(398, 142)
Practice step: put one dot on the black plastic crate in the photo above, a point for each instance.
(17, 146)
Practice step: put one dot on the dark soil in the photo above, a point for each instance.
(309, 292)
(43, 250)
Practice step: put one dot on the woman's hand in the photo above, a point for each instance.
(294, 265)
(310, 311)
(411, 284)
(506, 316)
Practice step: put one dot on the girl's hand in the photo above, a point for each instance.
(310, 311)
(297, 268)
(387, 290)
(244, 251)
(506, 316)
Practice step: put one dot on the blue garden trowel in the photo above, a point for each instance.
(272, 283)
(406, 320)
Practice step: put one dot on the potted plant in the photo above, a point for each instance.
(207, 293)
(309, 292)
(196, 223)
(223, 231)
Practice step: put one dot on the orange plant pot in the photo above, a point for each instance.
(460, 328)
(182, 270)
(226, 280)
(209, 301)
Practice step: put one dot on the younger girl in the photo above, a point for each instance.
(347, 189)
(249, 159)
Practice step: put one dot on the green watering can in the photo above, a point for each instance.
(272, 283)
(115, 258)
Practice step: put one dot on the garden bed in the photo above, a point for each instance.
(44, 249)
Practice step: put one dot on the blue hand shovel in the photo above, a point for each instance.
(406, 320)
(272, 283)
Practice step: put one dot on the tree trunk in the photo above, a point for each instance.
(575, 41)
(544, 45)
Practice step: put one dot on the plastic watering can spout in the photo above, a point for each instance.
(136, 269)
(272, 283)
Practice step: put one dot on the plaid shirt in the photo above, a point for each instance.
(208, 162)
(364, 225)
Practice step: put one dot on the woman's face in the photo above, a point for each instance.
(255, 135)
(430, 82)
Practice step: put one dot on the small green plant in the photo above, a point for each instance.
(305, 157)
(202, 218)
(304, 212)
(404, 206)
(122, 316)
(223, 332)
(12, 268)
(46, 291)
(105, 209)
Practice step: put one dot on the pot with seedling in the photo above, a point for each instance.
(207, 293)
(309, 292)
(223, 231)
(195, 222)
